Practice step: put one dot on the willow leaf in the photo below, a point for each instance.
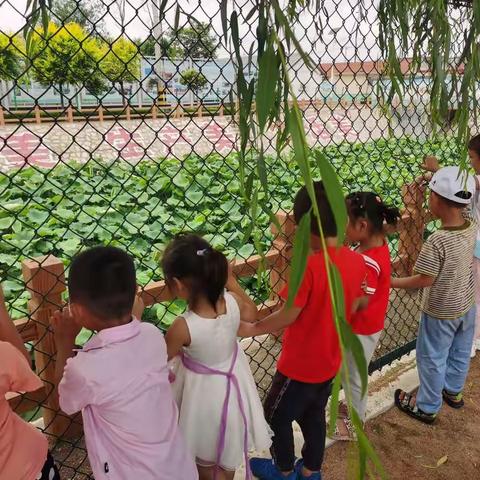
(262, 170)
(223, 18)
(300, 145)
(356, 349)
(267, 80)
(366, 446)
(301, 246)
(337, 383)
(334, 193)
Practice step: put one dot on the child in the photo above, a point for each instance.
(432, 164)
(23, 449)
(221, 415)
(444, 274)
(119, 379)
(311, 354)
(367, 216)
(474, 153)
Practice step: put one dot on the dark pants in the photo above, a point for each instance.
(50, 470)
(288, 401)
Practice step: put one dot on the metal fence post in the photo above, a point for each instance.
(45, 281)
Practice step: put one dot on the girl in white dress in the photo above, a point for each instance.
(221, 415)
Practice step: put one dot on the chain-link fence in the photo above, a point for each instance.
(119, 126)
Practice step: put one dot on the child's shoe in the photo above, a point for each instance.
(298, 469)
(265, 469)
(454, 400)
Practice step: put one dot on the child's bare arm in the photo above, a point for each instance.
(360, 303)
(273, 323)
(177, 337)
(65, 330)
(430, 164)
(248, 309)
(414, 281)
(138, 306)
(8, 331)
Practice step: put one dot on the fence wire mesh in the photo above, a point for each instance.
(118, 128)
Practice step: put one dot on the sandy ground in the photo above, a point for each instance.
(448, 450)
(411, 450)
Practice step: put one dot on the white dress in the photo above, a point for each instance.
(201, 397)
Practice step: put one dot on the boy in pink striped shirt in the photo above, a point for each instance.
(119, 379)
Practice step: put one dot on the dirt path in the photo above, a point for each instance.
(411, 450)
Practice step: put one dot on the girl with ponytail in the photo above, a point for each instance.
(220, 413)
(368, 216)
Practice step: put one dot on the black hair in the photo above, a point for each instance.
(474, 144)
(370, 206)
(450, 203)
(103, 280)
(190, 258)
(303, 205)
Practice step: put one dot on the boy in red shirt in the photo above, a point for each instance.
(311, 355)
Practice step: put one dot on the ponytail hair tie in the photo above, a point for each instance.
(202, 253)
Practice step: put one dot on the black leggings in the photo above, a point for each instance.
(288, 401)
(49, 470)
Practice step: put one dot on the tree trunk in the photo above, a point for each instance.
(62, 99)
(124, 98)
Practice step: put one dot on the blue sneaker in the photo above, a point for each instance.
(298, 469)
(265, 469)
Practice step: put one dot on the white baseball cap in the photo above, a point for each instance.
(453, 184)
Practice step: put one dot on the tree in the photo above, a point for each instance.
(12, 61)
(87, 13)
(12, 56)
(196, 41)
(121, 64)
(193, 80)
(147, 47)
(67, 56)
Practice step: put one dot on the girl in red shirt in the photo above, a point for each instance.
(365, 231)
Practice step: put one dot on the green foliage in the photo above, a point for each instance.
(193, 79)
(194, 41)
(444, 37)
(69, 55)
(121, 63)
(89, 14)
(12, 56)
(147, 47)
(62, 210)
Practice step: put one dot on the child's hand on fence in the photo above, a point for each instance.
(2, 300)
(138, 305)
(430, 164)
(64, 326)
(232, 279)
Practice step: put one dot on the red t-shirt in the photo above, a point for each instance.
(310, 346)
(372, 319)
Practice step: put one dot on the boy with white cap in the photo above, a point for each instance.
(444, 273)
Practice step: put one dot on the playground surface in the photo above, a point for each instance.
(47, 144)
(446, 450)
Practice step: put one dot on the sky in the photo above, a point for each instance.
(345, 37)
